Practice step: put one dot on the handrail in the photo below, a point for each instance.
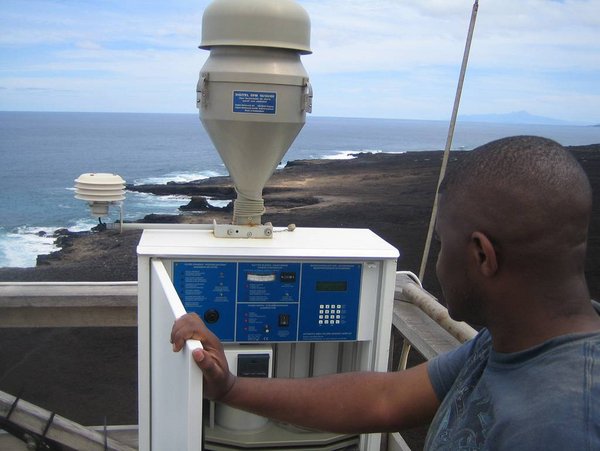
(409, 291)
(68, 304)
(63, 304)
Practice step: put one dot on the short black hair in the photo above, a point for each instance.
(527, 161)
(523, 191)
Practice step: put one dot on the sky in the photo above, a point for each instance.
(371, 58)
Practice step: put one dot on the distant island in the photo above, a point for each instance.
(518, 117)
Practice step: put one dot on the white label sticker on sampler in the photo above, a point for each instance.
(254, 102)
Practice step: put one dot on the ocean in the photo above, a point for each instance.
(43, 153)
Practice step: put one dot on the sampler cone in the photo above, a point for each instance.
(253, 92)
(251, 152)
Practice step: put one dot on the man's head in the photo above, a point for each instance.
(513, 210)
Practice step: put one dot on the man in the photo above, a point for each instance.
(512, 223)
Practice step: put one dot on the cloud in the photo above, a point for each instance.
(525, 47)
(371, 58)
(88, 45)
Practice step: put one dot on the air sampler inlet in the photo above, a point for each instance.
(253, 95)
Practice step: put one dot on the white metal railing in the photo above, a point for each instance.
(409, 289)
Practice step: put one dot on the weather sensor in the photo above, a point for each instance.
(100, 190)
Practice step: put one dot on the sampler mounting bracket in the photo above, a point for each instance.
(242, 230)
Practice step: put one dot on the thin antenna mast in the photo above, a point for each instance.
(461, 79)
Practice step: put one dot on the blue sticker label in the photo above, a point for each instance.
(254, 102)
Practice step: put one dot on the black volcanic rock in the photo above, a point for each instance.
(391, 194)
(199, 203)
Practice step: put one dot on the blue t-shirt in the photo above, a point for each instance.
(543, 398)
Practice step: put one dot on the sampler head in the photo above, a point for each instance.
(253, 93)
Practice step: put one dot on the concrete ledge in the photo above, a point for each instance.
(68, 304)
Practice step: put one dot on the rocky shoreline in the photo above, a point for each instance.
(392, 194)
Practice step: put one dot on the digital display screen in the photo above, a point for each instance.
(335, 285)
(260, 277)
(287, 277)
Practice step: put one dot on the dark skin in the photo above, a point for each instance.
(511, 260)
(519, 307)
(380, 402)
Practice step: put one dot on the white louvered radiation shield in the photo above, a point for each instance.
(100, 190)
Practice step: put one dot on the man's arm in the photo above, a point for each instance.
(348, 402)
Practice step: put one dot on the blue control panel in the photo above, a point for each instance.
(272, 301)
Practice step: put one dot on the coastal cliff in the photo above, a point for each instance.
(391, 194)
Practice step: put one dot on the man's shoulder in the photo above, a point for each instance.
(540, 398)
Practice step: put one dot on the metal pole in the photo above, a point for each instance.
(461, 79)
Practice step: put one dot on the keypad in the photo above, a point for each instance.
(330, 314)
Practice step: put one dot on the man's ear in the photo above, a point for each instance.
(484, 253)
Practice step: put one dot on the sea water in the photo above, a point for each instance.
(43, 153)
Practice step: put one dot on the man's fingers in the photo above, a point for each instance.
(218, 380)
(178, 335)
(211, 359)
(190, 326)
(208, 365)
(198, 355)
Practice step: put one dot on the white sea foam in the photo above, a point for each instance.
(217, 203)
(20, 248)
(179, 177)
(153, 198)
(148, 201)
(341, 155)
(82, 225)
(346, 154)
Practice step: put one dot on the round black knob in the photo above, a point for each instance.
(211, 316)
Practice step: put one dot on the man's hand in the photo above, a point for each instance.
(218, 380)
(380, 402)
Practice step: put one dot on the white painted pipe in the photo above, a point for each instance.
(166, 226)
(413, 293)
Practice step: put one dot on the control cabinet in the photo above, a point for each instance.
(320, 300)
